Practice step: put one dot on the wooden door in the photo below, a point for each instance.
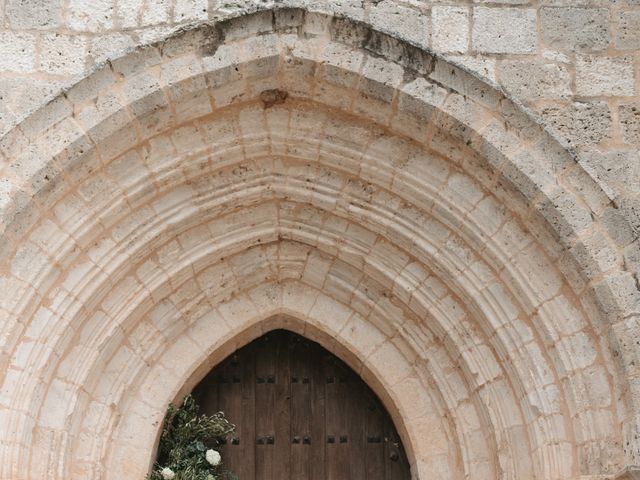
(300, 414)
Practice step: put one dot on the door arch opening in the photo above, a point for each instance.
(300, 413)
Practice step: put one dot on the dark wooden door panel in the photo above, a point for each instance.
(317, 415)
(300, 414)
(265, 410)
(242, 441)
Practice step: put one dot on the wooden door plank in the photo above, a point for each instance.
(396, 464)
(265, 408)
(300, 438)
(318, 456)
(337, 450)
(282, 386)
(374, 447)
(230, 402)
(331, 420)
(355, 409)
(243, 440)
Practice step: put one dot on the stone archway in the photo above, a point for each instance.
(296, 163)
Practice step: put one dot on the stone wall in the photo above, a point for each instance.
(456, 223)
(575, 64)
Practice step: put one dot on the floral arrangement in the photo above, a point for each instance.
(187, 444)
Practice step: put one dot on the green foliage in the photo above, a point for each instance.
(185, 439)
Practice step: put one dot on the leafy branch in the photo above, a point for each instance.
(188, 442)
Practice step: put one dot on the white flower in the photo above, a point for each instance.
(213, 457)
(167, 473)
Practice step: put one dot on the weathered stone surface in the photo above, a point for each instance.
(614, 168)
(605, 76)
(109, 46)
(189, 10)
(630, 122)
(416, 215)
(17, 52)
(62, 54)
(139, 13)
(535, 79)
(91, 16)
(504, 30)
(450, 29)
(410, 24)
(581, 123)
(628, 36)
(575, 28)
(28, 14)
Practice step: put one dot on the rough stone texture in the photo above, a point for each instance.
(575, 28)
(33, 14)
(597, 76)
(17, 52)
(450, 29)
(92, 16)
(582, 123)
(628, 36)
(534, 79)
(630, 122)
(474, 253)
(62, 54)
(615, 168)
(391, 17)
(504, 30)
(563, 28)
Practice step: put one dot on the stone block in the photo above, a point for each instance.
(17, 52)
(92, 16)
(535, 79)
(629, 116)
(129, 13)
(581, 123)
(62, 54)
(380, 78)
(155, 12)
(136, 62)
(609, 76)
(618, 294)
(410, 24)
(450, 29)
(341, 64)
(575, 28)
(27, 94)
(504, 30)
(628, 36)
(612, 170)
(240, 28)
(190, 10)
(482, 66)
(109, 46)
(38, 14)
(420, 96)
(141, 13)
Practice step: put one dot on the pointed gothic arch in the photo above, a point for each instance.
(199, 181)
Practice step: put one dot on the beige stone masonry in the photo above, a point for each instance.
(294, 169)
